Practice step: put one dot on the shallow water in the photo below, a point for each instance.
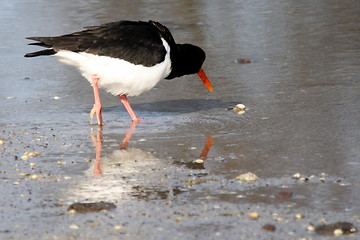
(301, 91)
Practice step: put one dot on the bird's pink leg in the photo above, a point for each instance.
(128, 108)
(97, 105)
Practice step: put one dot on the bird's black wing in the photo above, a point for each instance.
(136, 42)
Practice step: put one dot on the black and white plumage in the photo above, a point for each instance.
(125, 57)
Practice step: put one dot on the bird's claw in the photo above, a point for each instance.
(92, 112)
(97, 110)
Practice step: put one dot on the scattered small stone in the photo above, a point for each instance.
(338, 228)
(253, 215)
(178, 219)
(284, 195)
(35, 177)
(269, 227)
(305, 179)
(33, 154)
(247, 177)
(24, 174)
(118, 227)
(56, 98)
(243, 60)
(32, 165)
(74, 226)
(199, 161)
(2, 142)
(296, 176)
(28, 155)
(310, 228)
(91, 207)
(299, 216)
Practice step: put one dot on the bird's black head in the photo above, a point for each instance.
(186, 59)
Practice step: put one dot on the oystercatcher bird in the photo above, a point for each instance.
(125, 58)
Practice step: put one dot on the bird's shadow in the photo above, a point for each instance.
(178, 105)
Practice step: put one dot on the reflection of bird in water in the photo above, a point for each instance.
(130, 170)
(126, 159)
(114, 171)
(134, 159)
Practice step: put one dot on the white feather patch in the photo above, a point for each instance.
(118, 76)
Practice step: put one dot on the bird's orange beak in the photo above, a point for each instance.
(205, 80)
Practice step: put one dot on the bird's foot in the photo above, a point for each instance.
(92, 112)
(136, 119)
(97, 110)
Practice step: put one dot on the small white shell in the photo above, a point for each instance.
(239, 108)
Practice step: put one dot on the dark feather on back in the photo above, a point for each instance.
(136, 42)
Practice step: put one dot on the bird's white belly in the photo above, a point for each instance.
(116, 75)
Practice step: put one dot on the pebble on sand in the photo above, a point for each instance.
(284, 195)
(253, 215)
(91, 207)
(243, 60)
(74, 226)
(269, 227)
(247, 177)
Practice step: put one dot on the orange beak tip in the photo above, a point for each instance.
(205, 80)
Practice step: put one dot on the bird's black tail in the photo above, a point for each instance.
(40, 53)
(41, 42)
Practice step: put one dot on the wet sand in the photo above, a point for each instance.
(299, 134)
